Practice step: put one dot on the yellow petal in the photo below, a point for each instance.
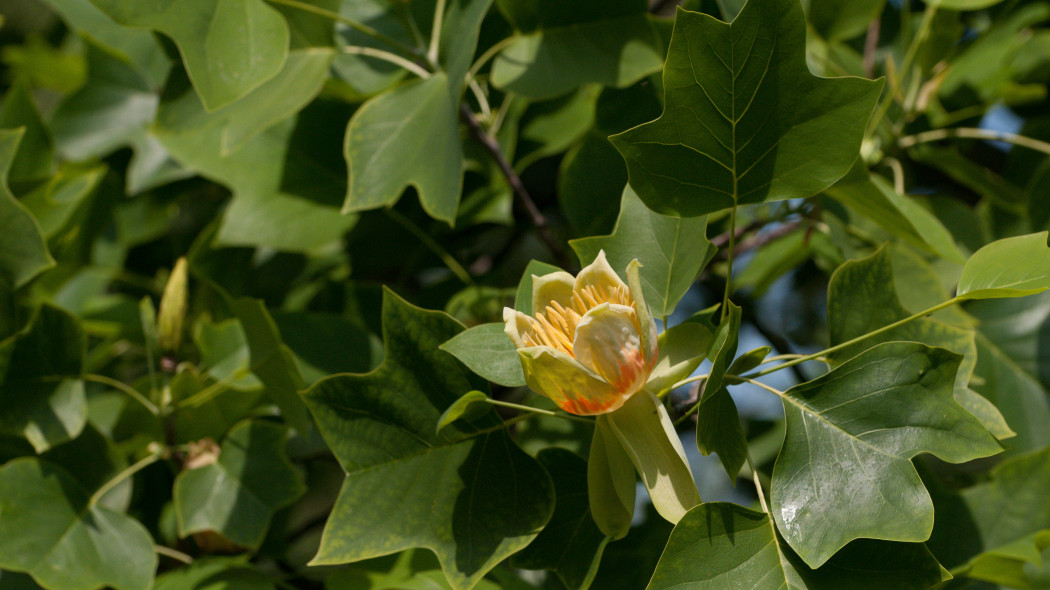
(599, 274)
(609, 343)
(556, 286)
(645, 317)
(566, 382)
(516, 325)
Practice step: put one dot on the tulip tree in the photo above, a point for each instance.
(507, 295)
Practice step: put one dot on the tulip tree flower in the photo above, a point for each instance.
(590, 347)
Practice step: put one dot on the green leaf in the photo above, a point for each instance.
(720, 545)
(841, 21)
(862, 297)
(388, 137)
(718, 428)
(459, 40)
(610, 482)
(523, 297)
(141, 49)
(681, 350)
(873, 197)
(1010, 267)
(23, 252)
(113, 109)
(744, 127)
(749, 360)
(381, 427)
(487, 351)
(1010, 536)
(238, 495)
(1021, 398)
(557, 50)
(854, 430)
(272, 361)
(33, 159)
(672, 251)
(570, 545)
(51, 531)
(470, 406)
(644, 429)
(41, 394)
(230, 47)
(264, 210)
(219, 573)
(55, 203)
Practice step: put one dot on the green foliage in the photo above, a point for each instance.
(748, 126)
(207, 380)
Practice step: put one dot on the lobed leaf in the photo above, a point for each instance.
(720, 545)
(381, 428)
(844, 472)
(744, 121)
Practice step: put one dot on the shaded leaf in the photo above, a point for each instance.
(487, 351)
(672, 251)
(238, 495)
(218, 573)
(744, 126)
(718, 428)
(41, 394)
(51, 531)
(113, 109)
(874, 198)
(23, 252)
(840, 21)
(845, 473)
(34, 155)
(720, 545)
(609, 43)
(230, 47)
(381, 427)
(570, 545)
(391, 133)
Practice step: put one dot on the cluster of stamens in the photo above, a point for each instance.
(555, 326)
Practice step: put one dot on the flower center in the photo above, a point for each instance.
(555, 326)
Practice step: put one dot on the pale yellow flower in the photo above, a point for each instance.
(591, 343)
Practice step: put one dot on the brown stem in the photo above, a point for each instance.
(537, 218)
(871, 43)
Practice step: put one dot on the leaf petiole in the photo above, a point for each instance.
(131, 470)
(540, 411)
(851, 342)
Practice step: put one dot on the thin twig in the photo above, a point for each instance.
(974, 133)
(388, 57)
(494, 150)
(116, 479)
(435, 32)
(871, 44)
(130, 391)
(172, 553)
(432, 245)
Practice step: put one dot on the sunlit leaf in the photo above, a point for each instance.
(487, 351)
(672, 251)
(1010, 267)
(381, 427)
(845, 471)
(720, 545)
(230, 46)
(744, 121)
(388, 137)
